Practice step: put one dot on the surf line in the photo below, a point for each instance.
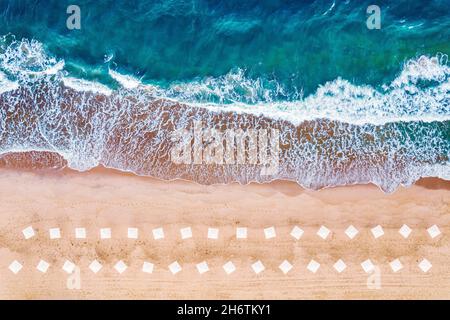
(259, 147)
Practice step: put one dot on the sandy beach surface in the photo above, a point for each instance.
(107, 199)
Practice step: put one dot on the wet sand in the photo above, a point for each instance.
(103, 198)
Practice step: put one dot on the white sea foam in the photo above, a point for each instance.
(126, 81)
(404, 99)
(84, 85)
(24, 59)
(51, 70)
(7, 85)
(342, 101)
(234, 87)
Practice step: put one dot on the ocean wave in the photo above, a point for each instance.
(7, 85)
(126, 81)
(342, 134)
(419, 93)
(26, 59)
(84, 85)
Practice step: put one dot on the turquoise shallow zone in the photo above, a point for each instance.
(301, 44)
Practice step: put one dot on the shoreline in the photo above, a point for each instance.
(103, 198)
(434, 183)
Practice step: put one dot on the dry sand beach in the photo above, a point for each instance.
(107, 199)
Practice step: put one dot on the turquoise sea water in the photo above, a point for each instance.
(300, 44)
(353, 105)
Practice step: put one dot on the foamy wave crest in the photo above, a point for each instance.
(7, 85)
(128, 82)
(84, 85)
(26, 59)
(419, 93)
(234, 87)
(343, 134)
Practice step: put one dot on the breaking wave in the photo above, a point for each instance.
(342, 134)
